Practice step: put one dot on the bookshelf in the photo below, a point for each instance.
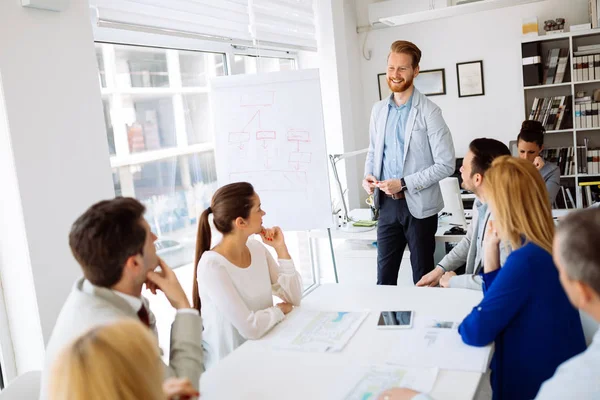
(568, 132)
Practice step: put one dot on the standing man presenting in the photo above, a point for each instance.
(410, 151)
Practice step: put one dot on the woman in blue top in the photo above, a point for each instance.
(524, 311)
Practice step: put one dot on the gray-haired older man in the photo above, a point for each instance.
(577, 257)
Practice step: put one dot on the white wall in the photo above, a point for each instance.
(341, 88)
(55, 163)
(492, 36)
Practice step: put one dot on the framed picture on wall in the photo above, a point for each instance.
(470, 78)
(431, 82)
(384, 89)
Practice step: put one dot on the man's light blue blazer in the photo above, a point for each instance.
(428, 153)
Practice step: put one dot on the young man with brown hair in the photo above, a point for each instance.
(410, 151)
(115, 248)
(469, 251)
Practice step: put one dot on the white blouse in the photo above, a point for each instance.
(237, 303)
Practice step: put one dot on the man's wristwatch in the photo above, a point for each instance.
(403, 185)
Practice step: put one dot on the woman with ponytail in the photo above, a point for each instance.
(235, 281)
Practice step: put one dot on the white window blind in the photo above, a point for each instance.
(278, 23)
(287, 21)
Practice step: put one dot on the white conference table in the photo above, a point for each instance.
(257, 371)
(371, 233)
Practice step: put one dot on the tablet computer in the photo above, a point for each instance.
(395, 319)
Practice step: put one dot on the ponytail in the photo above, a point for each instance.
(203, 239)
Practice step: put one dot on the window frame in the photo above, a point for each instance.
(8, 368)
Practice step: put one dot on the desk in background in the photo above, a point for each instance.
(256, 371)
(355, 258)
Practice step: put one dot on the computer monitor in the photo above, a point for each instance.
(456, 174)
(453, 204)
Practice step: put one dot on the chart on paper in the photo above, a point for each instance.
(440, 347)
(269, 132)
(319, 331)
(370, 382)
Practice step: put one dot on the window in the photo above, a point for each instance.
(155, 107)
(247, 64)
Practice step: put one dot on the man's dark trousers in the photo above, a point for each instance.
(397, 227)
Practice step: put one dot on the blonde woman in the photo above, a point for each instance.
(118, 361)
(525, 311)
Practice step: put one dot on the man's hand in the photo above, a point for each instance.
(445, 281)
(397, 394)
(390, 186)
(179, 388)
(431, 279)
(369, 184)
(538, 162)
(167, 282)
(285, 308)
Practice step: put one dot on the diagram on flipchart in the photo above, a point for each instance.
(268, 149)
(269, 131)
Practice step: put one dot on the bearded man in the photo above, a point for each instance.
(410, 151)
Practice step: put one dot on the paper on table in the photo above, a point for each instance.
(318, 331)
(442, 348)
(370, 382)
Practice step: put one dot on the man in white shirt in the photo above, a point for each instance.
(115, 248)
(577, 258)
(482, 152)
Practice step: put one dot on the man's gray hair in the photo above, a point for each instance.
(579, 246)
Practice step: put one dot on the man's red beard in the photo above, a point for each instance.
(401, 87)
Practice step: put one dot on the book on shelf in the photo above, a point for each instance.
(565, 199)
(582, 167)
(587, 115)
(532, 64)
(551, 70)
(553, 112)
(586, 52)
(573, 204)
(592, 162)
(594, 12)
(561, 199)
(583, 99)
(589, 47)
(561, 68)
(586, 67)
(588, 160)
(589, 192)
